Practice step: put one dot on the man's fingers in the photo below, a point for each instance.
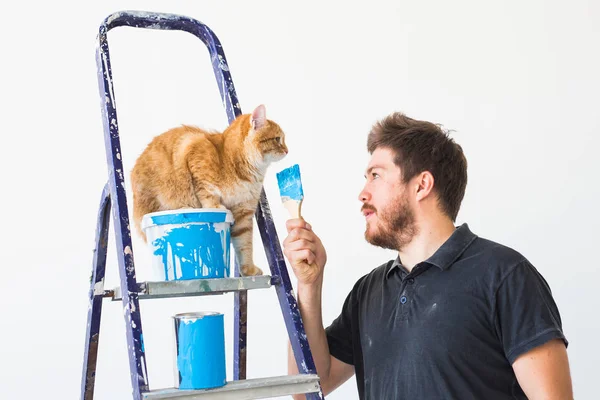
(301, 244)
(293, 223)
(298, 234)
(300, 250)
(302, 256)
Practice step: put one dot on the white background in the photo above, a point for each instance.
(516, 81)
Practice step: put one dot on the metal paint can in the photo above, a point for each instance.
(200, 350)
(191, 243)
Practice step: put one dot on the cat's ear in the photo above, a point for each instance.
(259, 117)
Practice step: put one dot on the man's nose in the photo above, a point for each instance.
(364, 196)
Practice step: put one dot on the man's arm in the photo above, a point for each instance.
(332, 372)
(543, 372)
(307, 256)
(529, 325)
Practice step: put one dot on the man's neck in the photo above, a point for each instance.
(432, 234)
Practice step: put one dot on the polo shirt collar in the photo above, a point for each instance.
(449, 252)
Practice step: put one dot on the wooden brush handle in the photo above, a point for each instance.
(294, 207)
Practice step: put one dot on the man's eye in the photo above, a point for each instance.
(375, 175)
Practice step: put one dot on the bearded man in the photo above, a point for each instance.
(454, 316)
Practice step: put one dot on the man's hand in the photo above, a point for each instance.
(304, 251)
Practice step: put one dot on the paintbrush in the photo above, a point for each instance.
(290, 190)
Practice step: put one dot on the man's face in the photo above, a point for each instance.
(386, 203)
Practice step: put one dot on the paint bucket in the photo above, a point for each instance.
(189, 243)
(200, 350)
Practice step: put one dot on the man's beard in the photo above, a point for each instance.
(395, 226)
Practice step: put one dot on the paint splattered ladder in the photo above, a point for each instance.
(131, 291)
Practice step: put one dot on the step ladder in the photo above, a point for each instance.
(130, 291)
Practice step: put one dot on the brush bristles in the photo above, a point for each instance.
(290, 184)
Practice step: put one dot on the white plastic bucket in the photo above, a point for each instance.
(189, 243)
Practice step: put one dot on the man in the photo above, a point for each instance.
(454, 316)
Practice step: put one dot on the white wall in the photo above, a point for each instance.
(517, 81)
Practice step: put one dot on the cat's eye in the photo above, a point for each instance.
(277, 140)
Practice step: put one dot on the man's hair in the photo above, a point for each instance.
(423, 146)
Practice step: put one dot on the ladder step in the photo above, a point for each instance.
(199, 287)
(260, 388)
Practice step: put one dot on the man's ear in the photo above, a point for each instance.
(424, 184)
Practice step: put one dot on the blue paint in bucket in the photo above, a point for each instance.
(200, 349)
(189, 243)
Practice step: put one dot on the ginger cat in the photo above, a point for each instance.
(190, 167)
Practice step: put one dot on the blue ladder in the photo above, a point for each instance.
(130, 291)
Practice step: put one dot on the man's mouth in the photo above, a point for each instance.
(368, 212)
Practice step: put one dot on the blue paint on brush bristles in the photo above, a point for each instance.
(290, 184)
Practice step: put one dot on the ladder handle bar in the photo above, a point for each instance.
(165, 21)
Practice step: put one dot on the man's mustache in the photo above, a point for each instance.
(368, 207)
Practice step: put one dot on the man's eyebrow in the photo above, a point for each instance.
(371, 168)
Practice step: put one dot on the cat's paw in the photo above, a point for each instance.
(214, 204)
(250, 270)
(218, 206)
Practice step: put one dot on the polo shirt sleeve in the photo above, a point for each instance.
(341, 331)
(526, 314)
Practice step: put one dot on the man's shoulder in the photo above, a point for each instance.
(491, 259)
(493, 253)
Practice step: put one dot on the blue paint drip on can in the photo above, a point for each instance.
(200, 350)
(189, 243)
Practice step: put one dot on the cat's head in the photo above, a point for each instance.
(265, 137)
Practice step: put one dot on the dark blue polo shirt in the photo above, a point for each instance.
(449, 329)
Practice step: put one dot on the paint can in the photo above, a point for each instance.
(191, 243)
(200, 350)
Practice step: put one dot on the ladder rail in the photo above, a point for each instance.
(285, 294)
(96, 295)
(116, 182)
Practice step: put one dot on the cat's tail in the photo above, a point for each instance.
(138, 228)
(137, 220)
